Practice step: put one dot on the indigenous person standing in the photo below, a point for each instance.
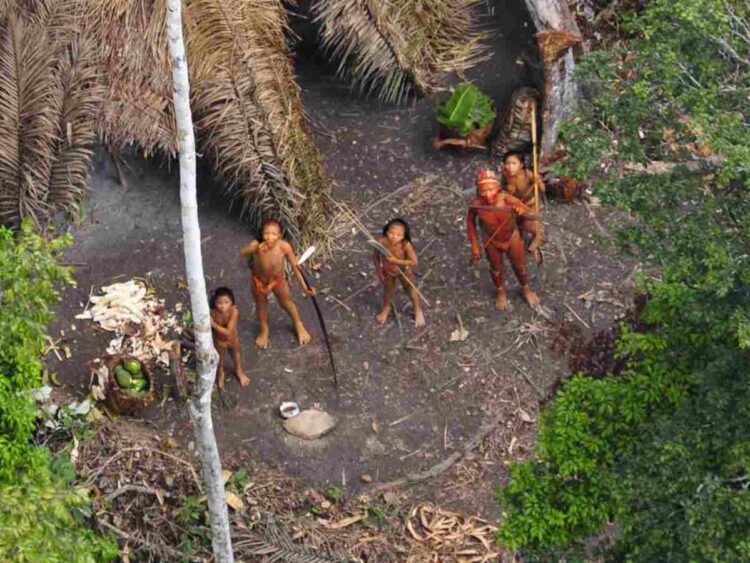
(224, 315)
(519, 181)
(498, 214)
(397, 240)
(268, 276)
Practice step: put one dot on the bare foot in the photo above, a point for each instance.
(261, 341)
(501, 301)
(220, 380)
(383, 315)
(302, 335)
(243, 379)
(531, 298)
(419, 318)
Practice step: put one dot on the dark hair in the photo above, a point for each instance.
(518, 154)
(398, 221)
(221, 292)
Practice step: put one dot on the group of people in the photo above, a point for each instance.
(503, 210)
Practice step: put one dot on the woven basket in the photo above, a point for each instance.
(119, 402)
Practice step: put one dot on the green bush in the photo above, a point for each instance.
(662, 448)
(40, 516)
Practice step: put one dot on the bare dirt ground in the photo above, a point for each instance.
(408, 398)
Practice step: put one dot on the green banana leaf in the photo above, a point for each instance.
(466, 108)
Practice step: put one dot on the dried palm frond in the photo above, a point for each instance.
(244, 97)
(249, 113)
(29, 109)
(393, 47)
(270, 540)
(82, 97)
(132, 51)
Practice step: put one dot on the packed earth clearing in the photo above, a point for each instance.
(407, 399)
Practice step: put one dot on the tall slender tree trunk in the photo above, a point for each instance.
(206, 356)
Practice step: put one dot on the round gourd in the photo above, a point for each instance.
(133, 366)
(123, 378)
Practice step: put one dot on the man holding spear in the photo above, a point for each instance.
(498, 214)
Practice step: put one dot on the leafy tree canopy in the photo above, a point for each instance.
(662, 448)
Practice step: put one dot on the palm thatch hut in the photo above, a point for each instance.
(392, 48)
(72, 70)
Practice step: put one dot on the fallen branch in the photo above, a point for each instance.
(444, 465)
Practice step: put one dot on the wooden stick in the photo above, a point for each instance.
(368, 234)
(535, 171)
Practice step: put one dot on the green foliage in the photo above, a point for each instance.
(43, 523)
(333, 493)
(41, 518)
(464, 109)
(194, 520)
(661, 449)
(29, 272)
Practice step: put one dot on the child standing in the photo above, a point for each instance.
(397, 240)
(519, 181)
(268, 257)
(224, 315)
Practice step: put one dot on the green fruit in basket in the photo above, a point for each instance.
(133, 366)
(138, 384)
(123, 378)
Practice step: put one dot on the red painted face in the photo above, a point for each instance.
(489, 191)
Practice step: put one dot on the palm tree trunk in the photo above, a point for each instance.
(206, 356)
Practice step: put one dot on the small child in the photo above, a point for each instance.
(397, 240)
(224, 315)
(519, 182)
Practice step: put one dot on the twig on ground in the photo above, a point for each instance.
(577, 316)
(340, 303)
(444, 465)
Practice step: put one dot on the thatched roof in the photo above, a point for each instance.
(69, 68)
(48, 94)
(390, 48)
(248, 113)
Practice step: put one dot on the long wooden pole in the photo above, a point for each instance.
(206, 357)
(535, 170)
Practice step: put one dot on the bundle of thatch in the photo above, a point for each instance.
(392, 47)
(249, 116)
(48, 93)
(248, 113)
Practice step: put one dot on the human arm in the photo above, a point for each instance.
(535, 178)
(218, 328)
(476, 248)
(378, 260)
(410, 260)
(249, 249)
(518, 206)
(289, 253)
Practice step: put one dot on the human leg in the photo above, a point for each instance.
(389, 289)
(284, 297)
(415, 303)
(517, 257)
(241, 377)
(495, 258)
(261, 309)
